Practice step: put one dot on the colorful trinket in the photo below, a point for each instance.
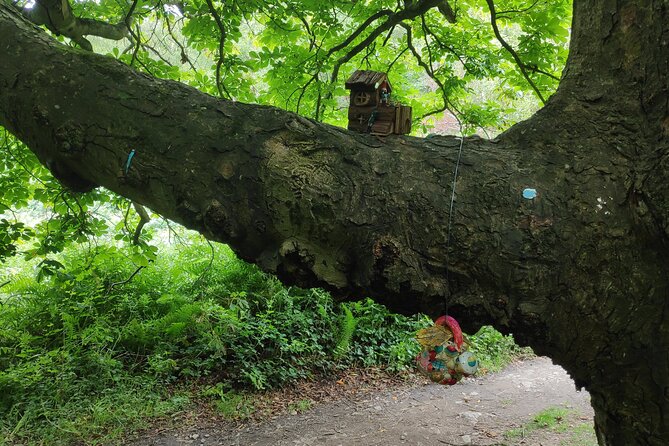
(445, 358)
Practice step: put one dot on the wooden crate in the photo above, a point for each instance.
(384, 122)
(403, 120)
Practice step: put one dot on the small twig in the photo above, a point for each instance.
(449, 48)
(173, 233)
(128, 16)
(388, 36)
(436, 111)
(157, 53)
(28, 170)
(396, 59)
(125, 219)
(369, 51)
(448, 105)
(310, 33)
(221, 50)
(184, 56)
(302, 92)
(138, 42)
(518, 10)
(536, 69)
(427, 42)
(6, 283)
(123, 282)
(319, 101)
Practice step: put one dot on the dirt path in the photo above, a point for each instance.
(498, 409)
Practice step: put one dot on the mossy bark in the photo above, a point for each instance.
(580, 272)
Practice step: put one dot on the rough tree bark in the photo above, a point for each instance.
(579, 273)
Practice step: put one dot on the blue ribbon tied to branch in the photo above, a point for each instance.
(129, 160)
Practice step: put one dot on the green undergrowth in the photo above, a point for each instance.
(98, 347)
(495, 350)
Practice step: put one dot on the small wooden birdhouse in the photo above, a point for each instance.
(371, 109)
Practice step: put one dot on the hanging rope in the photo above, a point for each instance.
(450, 210)
(455, 180)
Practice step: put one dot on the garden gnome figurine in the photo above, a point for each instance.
(385, 96)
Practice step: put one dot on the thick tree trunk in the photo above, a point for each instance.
(579, 273)
(614, 102)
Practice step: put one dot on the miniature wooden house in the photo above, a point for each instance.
(371, 110)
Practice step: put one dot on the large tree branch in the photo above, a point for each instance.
(363, 26)
(270, 196)
(447, 11)
(579, 271)
(301, 199)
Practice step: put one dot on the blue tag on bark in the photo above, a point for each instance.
(529, 193)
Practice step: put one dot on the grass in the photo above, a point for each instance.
(558, 420)
(93, 421)
(581, 435)
(300, 406)
(235, 406)
(551, 418)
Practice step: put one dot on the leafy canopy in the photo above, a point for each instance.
(485, 65)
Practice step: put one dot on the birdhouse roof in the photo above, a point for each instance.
(367, 80)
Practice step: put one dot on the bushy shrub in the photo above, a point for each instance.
(99, 329)
(382, 337)
(91, 347)
(495, 350)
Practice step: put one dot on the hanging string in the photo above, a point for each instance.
(455, 180)
(450, 210)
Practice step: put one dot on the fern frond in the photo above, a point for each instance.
(347, 323)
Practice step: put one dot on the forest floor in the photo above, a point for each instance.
(531, 402)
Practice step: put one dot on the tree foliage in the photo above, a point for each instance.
(486, 64)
